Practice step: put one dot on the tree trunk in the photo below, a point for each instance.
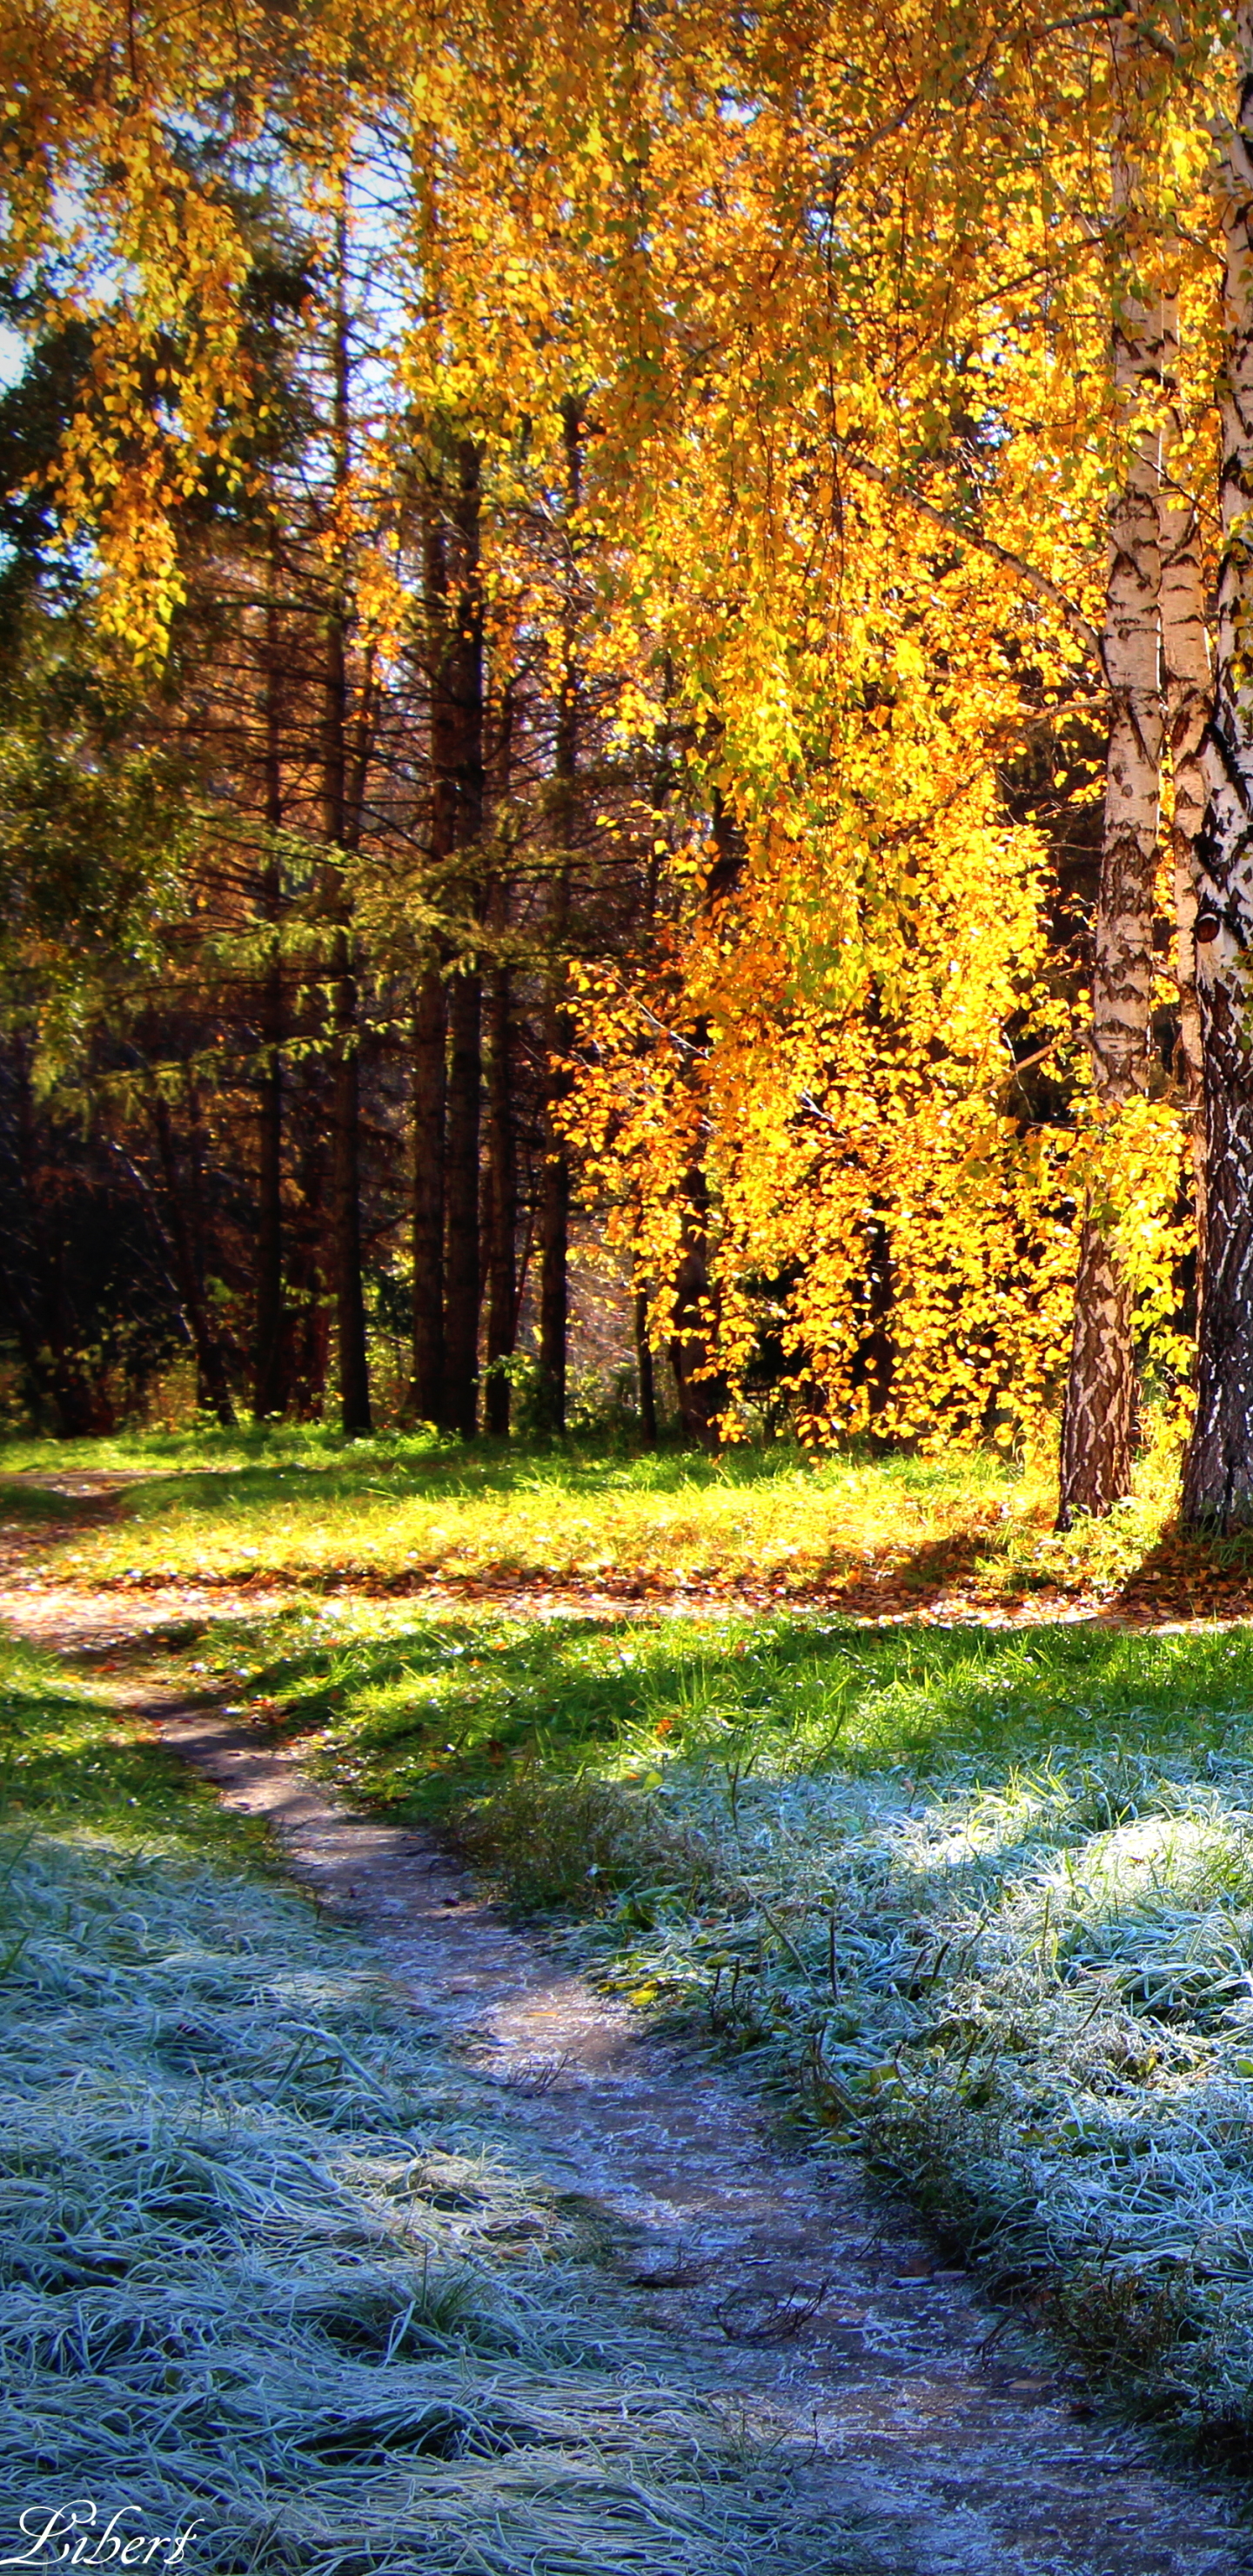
(1099, 1412)
(503, 1227)
(1218, 1480)
(462, 1278)
(1186, 669)
(307, 1312)
(702, 1388)
(553, 1215)
(345, 1190)
(644, 1365)
(462, 689)
(269, 1393)
(430, 1032)
(354, 1380)
(212, 1388)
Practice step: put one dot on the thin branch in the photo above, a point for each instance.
(1036, 580)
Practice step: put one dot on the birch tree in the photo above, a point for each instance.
(1098, 1418)
(1188, 686)
(1218, 1481)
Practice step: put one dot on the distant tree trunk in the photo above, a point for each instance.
(1218, 1479)
(1098, 1418)
(212, 1386)
(702, 1387)
(644, 1366)
(269, 1394)
(345, 1190)
(462, 1277)
(503, 1203)
(307, 1313)
(553, 1213)
(1189, 692)
(874, 1361)
(462, 688)
(428, 1392)
(430, 1037)
(703, 1390)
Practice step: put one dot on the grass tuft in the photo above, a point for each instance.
(268, 2269)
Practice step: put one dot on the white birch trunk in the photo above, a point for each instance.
(1098, 1419)
(1188, 683)
(1218, 1481)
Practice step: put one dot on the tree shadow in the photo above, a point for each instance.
(438, 1712)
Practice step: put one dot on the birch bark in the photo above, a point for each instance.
(1218, 1479)
(1098, 1419)
(1188, 685)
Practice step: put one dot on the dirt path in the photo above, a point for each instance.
(782, 2279)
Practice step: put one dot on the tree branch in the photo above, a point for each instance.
(1036, 580)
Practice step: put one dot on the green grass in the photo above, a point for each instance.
(304, 1508)
(428, 1711)
(980, 1898)
(981, 1901)
(269, 2269)
(71, 1762)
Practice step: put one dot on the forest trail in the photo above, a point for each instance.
(934, 2421)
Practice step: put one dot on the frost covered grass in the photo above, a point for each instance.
(268, 2268)
(983, 1901)
(1030, 1996)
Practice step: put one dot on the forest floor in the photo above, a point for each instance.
(961, 1886)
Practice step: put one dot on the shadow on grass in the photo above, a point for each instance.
(248, 1470)
(425, 1718)
(68, 1760)
(1187, 1576)
(34, 1507)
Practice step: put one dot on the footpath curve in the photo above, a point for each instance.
(950, 2436)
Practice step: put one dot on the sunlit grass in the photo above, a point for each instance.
(428, 1709)
(301, 1507)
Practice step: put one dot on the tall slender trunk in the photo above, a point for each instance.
(212, 1387)
(463, 1282)
(428, 1395)
(1098, 1419)
(702, 1386)
(644, 1366)
(1218, 1479)
(553, 1214)
(463, 684)
(1189, 690)
(503, 1225)
(345, 1190)
(307, 1315)
(269, 1393)
(430, 1074)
